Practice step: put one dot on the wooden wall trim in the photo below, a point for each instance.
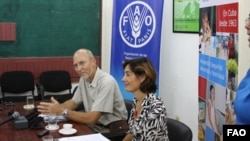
(38, 65)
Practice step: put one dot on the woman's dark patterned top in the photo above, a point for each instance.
(151, 124)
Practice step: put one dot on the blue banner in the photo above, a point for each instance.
(136, 33)
(213, 69)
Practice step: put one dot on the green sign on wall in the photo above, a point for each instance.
(186, 16)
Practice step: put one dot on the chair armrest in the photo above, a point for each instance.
(115, 136)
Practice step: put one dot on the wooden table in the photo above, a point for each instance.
(9, 133)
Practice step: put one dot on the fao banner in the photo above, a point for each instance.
(136, 33)
(218, 70)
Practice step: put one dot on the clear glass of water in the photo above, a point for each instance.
(52, 122)
(47, 138)
(30, 102)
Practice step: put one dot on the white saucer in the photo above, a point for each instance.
(51, 129)
(67, 131)
(28, 107)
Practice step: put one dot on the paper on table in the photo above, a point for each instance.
(90, 137)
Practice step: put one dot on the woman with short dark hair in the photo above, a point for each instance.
(148, 118)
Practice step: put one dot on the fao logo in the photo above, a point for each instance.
(137, 24)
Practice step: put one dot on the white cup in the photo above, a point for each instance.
(52, 121)
(67, 126)
(30, 102)
(47, 138)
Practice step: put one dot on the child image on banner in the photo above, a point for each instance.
(205, 30)
(211, 110)
(215, 117)
(207, 43)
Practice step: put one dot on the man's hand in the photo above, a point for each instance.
(53, 100)
(50, 107)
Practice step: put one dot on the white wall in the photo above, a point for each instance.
(106, 33)
(244, 50)
(178, 62)
(179, 72)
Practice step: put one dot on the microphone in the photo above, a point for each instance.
(15, 115)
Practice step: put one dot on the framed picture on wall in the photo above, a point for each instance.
(186, 16)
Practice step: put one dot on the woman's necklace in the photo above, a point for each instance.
(138, 108)
(135, 114)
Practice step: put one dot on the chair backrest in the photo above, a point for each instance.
(56, 81)
(17, 82)
(178, 131)
(119, 135)
(129, 106)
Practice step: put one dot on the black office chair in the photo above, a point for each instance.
(119, 135)
(129, 106)
(16, 83)
(178, 131)
(56, 83)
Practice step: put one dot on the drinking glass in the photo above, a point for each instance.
(48, 138)
(30, 102)
(52, 122)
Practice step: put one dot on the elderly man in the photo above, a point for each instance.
(97, 90)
